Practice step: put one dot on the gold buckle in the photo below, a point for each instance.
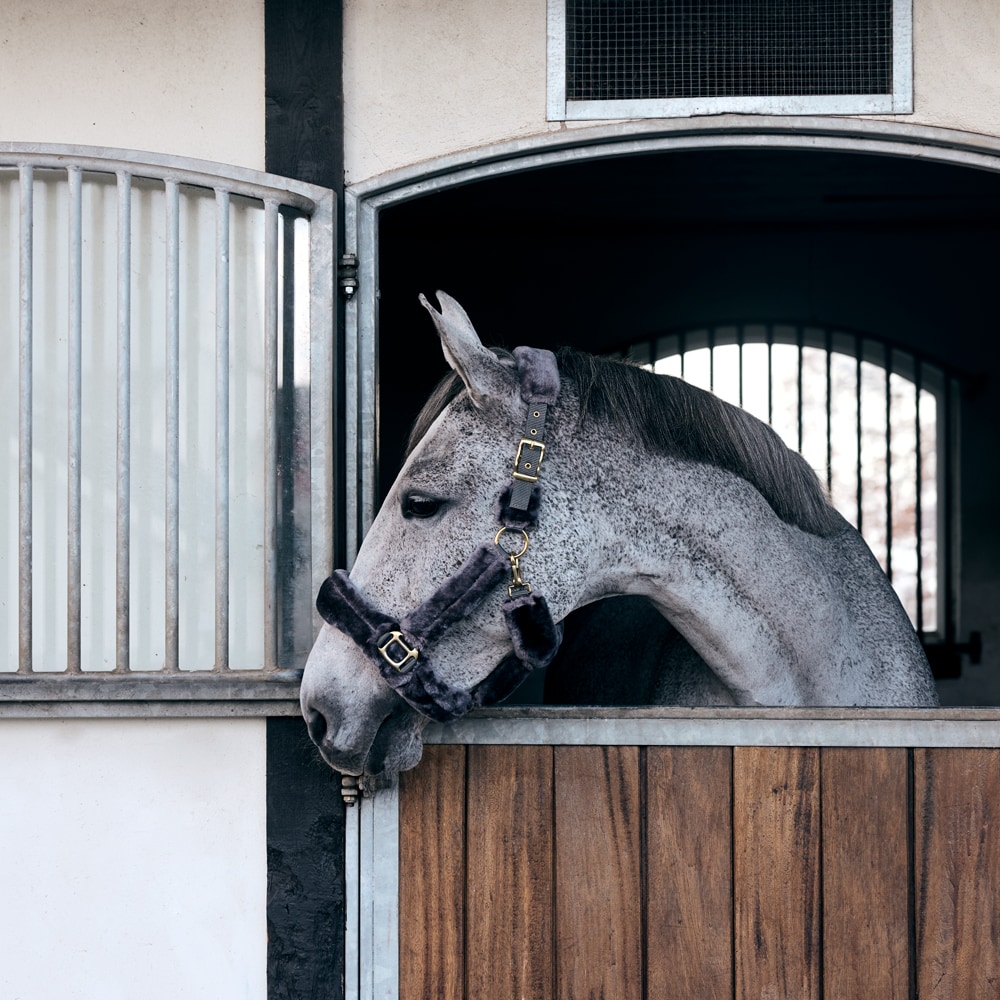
(525, 476)
(397, 638)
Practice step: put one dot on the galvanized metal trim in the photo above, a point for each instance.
(74, 442)
(222, 429)
(730, 727)
(378, 896)
(173, 379)
(25, 376)
(185, 170)
(900, 101)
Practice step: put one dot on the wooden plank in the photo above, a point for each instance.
(509, 894)
(776, 826)
(689, 916)
(866, 873)
(432, 876)
(598, 873)
(957, 873)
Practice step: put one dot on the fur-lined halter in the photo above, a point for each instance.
(398, 648)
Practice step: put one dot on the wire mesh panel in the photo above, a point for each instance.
(648, 58)
(169, 417)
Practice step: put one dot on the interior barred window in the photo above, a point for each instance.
(649, 49)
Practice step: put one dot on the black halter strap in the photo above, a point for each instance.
(398, 648)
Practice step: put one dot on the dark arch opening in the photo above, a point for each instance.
(603, 253)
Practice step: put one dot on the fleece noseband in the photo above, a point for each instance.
(398, 648)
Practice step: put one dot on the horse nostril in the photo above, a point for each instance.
(316, 725)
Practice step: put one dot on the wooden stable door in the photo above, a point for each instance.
(700, 873)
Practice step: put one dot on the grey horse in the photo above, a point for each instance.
(651, 490)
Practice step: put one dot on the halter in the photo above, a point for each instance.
(398, 648)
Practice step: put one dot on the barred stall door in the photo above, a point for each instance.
(700, 872)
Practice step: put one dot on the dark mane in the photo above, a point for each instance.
(671, 417)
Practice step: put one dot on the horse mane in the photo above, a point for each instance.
(670, 417)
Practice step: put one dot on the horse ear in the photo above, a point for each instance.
(480, 370)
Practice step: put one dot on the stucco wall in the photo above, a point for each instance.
(180, 76)
(134, 860)
(423, 78)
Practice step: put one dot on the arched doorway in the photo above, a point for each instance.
(859, 226)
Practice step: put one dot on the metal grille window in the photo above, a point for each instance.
(873, 420)
(168, 416)
(645, 58)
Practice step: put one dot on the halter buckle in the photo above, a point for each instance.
(387, 641)
(523, 469)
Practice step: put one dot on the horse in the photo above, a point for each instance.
(536, 486)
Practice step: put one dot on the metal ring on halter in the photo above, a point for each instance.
(513, 555)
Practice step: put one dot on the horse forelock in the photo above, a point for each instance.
(668, 416)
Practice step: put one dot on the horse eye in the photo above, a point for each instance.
(417, 505)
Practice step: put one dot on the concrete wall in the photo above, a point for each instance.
(134, 852)
(423, 78)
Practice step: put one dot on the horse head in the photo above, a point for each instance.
(444, 608)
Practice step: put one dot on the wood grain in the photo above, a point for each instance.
(957, 869)
(689, 872)
(598, 873)
(776, 824)
(432, 876)
(509, 852)
(866, 872)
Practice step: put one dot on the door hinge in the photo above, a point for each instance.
(347, 274)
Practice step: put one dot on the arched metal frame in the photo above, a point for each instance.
(365, 201)
(372, 828)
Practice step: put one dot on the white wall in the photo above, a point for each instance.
(133, 852)
(424, 78)
(134, 860)
(170, 76)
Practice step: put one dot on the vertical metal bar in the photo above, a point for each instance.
(25, 359)
(682, 348)
(271, 220)
(918, 378)
(800, 345)
(858, 428)
(124, 435)
(222, 430)
(74, 442)
(711, 359)
(770, 375)
(829, 412)
(739, 354)
(172, 478)
(888, 462)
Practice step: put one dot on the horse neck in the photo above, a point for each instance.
(746, 590)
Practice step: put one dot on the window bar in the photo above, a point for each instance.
(829, 411)
(857, 428)
(74, 443)
(739, 356)
(919, 511)
(271, 432)
(887, 357)
(222, 430)
(711, 359)
(798, 385)
(682, 348)
(124, 428)
(172, 500)
(770, 375)
(26, 252)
